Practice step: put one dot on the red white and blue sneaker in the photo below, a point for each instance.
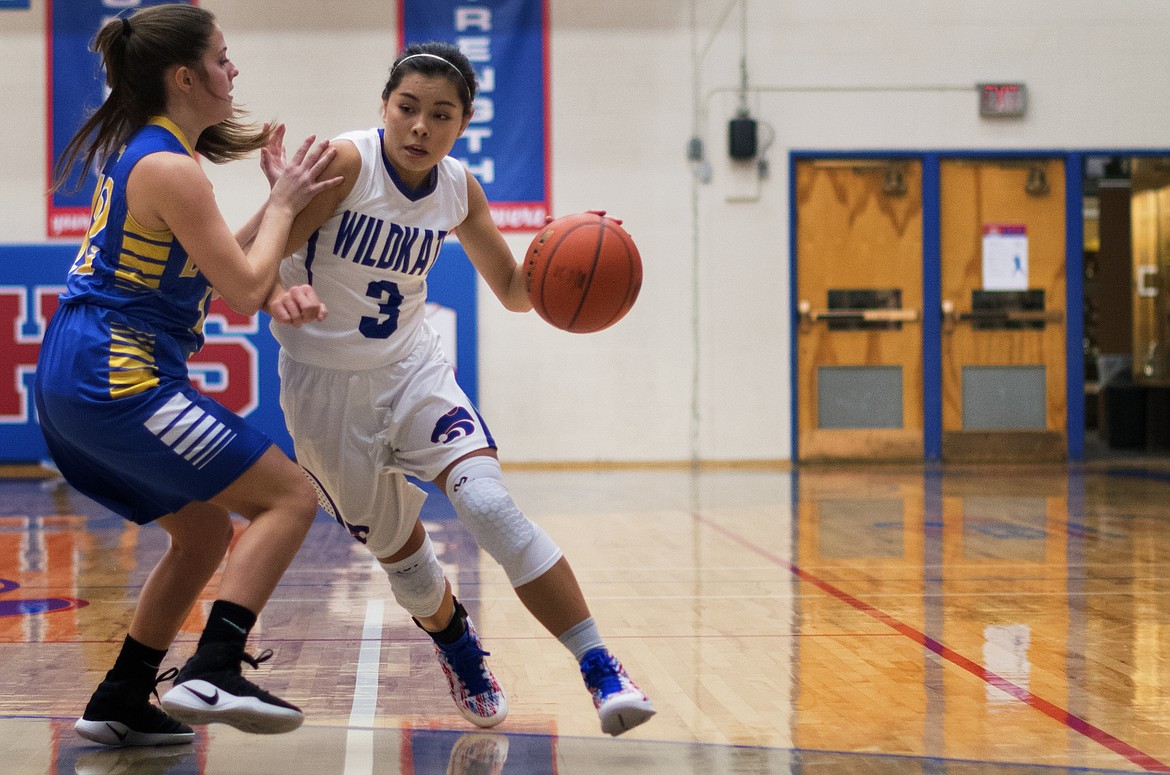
(475, 690)
(210, 689)
(621, 705)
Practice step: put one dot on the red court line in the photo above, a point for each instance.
(1076, 723)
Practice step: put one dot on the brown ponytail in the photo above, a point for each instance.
(137, 51)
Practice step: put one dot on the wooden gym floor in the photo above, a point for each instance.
(827, 619)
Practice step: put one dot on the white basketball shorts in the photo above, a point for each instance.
(359, 433)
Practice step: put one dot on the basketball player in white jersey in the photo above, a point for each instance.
(369, 397)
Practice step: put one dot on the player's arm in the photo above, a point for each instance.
(346, 164)
(489, 253)
(272, 162)
(167, 190)
(299, 304)
(170, 191)
(246, 234)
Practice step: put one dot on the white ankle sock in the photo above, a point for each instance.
(581, 637)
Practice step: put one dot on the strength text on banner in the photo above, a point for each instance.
(506, 146)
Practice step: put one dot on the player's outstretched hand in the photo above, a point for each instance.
(299, 180)
(296, 306)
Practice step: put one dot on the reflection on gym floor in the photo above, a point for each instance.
(902, 619)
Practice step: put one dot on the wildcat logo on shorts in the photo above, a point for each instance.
(455, 423)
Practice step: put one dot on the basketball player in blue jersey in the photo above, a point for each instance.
(123, 422)
(369, 397)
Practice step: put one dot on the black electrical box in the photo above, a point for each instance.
(741, 138)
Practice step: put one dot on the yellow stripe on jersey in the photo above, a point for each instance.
(143, 254)
(142, 261)
(145, 248)
(132, 366)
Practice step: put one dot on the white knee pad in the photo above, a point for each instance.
(476, 489)
(418, 582)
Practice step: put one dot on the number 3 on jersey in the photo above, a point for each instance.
(389, 300)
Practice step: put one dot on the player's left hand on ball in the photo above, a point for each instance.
(601, 214)
(298, 305)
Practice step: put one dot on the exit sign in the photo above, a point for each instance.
(1003, 100)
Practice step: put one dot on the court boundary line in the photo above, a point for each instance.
(1050, 709)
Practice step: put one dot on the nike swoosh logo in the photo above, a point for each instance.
(117, 734)
(209, 699)
(234, 626)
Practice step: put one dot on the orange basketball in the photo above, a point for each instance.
(583, 272)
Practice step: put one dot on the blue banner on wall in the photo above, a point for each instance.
(76, 87)
(506, 146)
(13, 5)
(237, 364)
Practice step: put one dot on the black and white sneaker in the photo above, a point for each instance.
(210, 689)
(111, 719)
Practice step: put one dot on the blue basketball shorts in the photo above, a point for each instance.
(149, 451)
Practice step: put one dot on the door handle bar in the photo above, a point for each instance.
(1009, 316)
(869, 315)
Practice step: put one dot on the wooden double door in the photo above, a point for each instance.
(931, 320)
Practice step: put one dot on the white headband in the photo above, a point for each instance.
(444, 61)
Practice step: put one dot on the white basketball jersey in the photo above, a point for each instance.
(369, 263)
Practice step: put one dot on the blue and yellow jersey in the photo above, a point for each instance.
(121, 418)
(142, 273)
